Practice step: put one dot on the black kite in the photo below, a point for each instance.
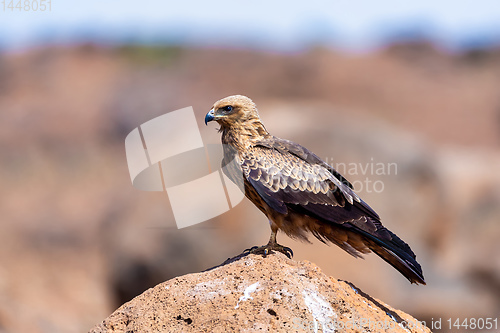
(300, 193)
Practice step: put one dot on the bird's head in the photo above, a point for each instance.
(233, 111)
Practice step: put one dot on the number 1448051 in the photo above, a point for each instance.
(26, 5)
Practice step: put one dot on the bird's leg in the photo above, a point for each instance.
(271, 246)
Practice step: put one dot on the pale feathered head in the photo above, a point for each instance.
(233, 111)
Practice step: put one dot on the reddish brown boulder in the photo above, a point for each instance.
(258, 294)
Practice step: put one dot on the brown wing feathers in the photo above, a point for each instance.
(290, 184)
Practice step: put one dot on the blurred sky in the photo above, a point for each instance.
(280, 25)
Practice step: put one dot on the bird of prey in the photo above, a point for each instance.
(300, 193)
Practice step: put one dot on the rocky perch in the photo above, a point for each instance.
(253, 293)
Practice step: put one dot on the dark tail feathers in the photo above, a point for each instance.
(398, 254)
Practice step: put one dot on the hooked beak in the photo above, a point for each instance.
(209, 117)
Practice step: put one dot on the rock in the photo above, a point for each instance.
(257, 294)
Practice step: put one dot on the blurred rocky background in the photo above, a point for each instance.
(414, 125)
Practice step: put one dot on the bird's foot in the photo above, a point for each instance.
(270, 248)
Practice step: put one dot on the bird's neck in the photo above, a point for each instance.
(243, 136)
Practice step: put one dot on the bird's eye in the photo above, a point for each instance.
(227, 108)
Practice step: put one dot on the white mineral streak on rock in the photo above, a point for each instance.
(246, 294)
(320, 310)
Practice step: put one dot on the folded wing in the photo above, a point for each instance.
(291, 179)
